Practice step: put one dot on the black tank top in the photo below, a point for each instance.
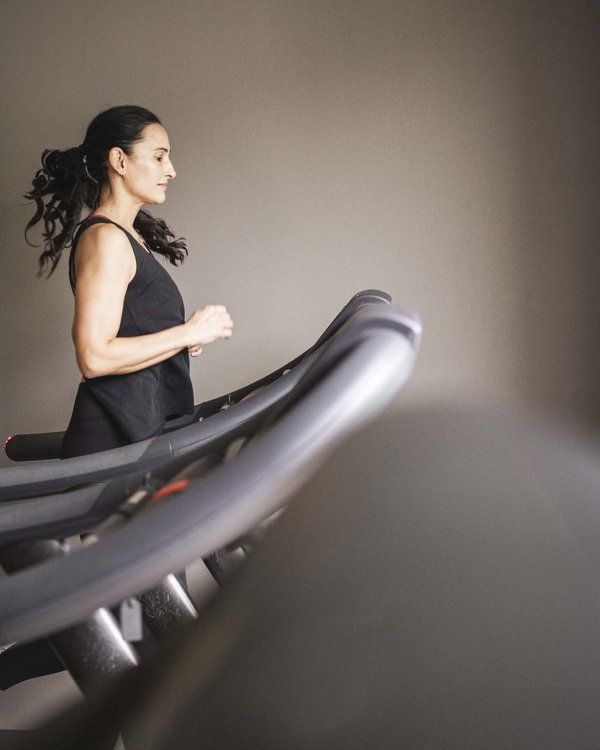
(141, 402)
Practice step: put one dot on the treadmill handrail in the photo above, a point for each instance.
(222, 506)
(78, 510)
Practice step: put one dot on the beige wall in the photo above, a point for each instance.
(442, 151)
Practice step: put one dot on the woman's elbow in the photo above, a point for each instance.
(90, 365)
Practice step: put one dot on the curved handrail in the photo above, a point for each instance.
(77, 510)
(230, 500)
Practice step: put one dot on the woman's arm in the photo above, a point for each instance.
(105, 264)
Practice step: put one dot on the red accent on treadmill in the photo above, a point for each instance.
(169, 489)
(7, 441)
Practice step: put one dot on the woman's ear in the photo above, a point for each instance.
(116, 160)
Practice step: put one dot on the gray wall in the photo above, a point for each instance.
(443, 151)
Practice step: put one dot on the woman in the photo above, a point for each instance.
(132, 341)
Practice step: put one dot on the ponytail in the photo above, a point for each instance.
(65, 178)
(70, 183)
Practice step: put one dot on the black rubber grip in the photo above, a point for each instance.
(33, 447)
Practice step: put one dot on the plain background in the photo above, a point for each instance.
(445, 152)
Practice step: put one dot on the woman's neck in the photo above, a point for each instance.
(122, 212)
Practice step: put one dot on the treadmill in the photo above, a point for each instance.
(206, 506)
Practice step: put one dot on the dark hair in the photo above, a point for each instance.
(70, 181)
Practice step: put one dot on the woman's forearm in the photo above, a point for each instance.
(125, 354)
(99, 354)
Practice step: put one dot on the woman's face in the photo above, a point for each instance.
(149, 168)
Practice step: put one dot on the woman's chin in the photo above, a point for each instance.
(155, 199)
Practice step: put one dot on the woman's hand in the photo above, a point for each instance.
(207, 325)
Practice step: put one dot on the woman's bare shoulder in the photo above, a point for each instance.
(103, 233)
(103, 238)
(104, 244)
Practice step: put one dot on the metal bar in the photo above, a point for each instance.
(167, 608)
(93, 651)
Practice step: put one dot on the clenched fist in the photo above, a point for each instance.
(207, 325)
